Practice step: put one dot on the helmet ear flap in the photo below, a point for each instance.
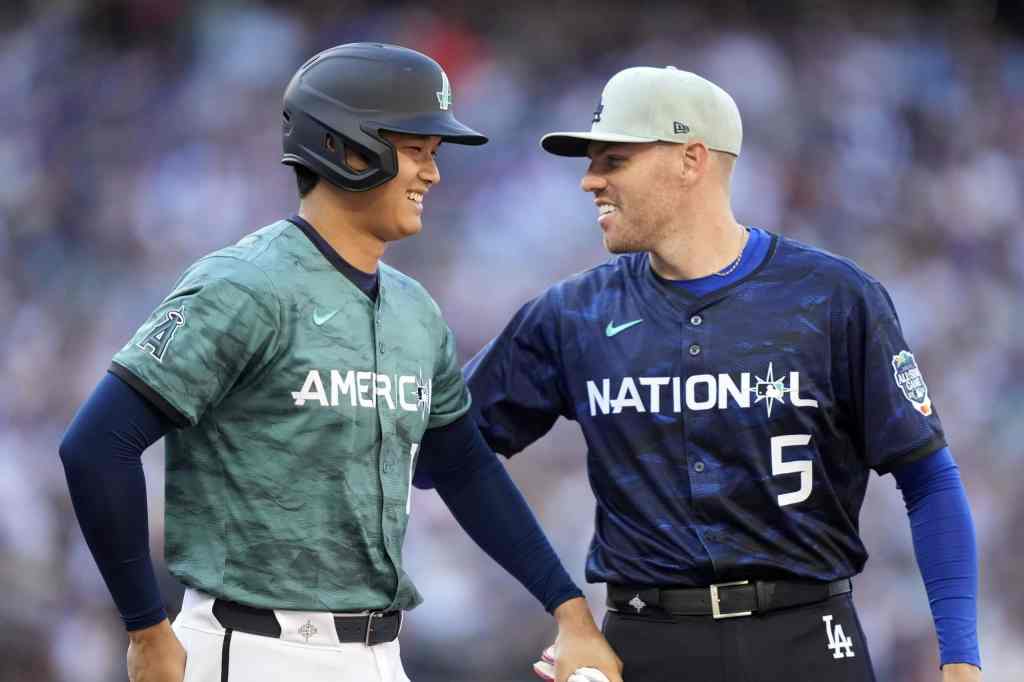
(320, 144)
(346, 154)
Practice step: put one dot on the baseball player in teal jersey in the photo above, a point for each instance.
(303, 387)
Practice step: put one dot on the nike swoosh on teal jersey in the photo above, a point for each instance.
(611, 330)
(320, 320)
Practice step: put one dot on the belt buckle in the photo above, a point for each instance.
(369, 625)
(716, 611)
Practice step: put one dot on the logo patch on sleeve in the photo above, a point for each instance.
(908, 378)
(156, 341)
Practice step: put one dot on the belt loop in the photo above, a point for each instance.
(841, 586)
(763, 592)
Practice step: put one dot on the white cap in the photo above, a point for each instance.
(646, 104)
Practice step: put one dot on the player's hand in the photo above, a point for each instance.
(960, 672)
(580, 644)
(155, 655)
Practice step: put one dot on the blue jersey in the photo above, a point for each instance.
(729, 436)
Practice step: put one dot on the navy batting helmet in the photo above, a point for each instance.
(345, 96)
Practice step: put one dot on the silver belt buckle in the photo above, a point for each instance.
(369, 625)
(716, 611)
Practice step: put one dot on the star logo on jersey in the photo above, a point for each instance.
(770, 389)
(611, 330)
(423, 395)
(320, 320)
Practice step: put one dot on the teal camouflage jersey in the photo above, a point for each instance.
(301, 404)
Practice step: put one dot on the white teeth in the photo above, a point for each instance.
(415, 196)
(605, 209)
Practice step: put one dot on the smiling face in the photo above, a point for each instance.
(394, 210)
(636, 192)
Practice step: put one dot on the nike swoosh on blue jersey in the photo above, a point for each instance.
(611, 330)
(320, 320)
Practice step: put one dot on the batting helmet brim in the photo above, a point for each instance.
(446, 127)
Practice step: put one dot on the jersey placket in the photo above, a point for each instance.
(702, 467)
(389, 472)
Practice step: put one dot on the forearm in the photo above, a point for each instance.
(486, 503)
(493, 512)
(101, 453)
(945, 547)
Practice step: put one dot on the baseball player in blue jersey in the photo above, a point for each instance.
(735, 388)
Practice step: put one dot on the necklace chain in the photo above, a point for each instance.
(731, 267)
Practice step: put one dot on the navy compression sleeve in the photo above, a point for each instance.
(486, 503)
(102, 456)
(944, 543)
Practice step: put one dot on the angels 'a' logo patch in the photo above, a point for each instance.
(159, 338)
(908, 378)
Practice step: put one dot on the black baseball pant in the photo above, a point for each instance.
(819, 642)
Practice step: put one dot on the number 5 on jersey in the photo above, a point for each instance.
(802, 467)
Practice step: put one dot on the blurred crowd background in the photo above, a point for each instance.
(137, 135)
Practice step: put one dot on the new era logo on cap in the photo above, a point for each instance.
(647, 104)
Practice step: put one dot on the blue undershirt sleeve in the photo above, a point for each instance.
(945, 546)
(102, 456)
(482, 497)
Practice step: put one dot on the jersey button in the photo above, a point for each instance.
(698, 467)
(381, 347)
(696, 320)
(694, 349)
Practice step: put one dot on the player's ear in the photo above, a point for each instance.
(693, 162)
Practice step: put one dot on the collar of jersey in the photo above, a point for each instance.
(678, 301)
(357, 277)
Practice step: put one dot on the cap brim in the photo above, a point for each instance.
(446, 127)
(575, 144)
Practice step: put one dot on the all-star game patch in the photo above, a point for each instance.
(909, 379)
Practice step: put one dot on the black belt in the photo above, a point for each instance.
(723, 600)
(376, 627)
